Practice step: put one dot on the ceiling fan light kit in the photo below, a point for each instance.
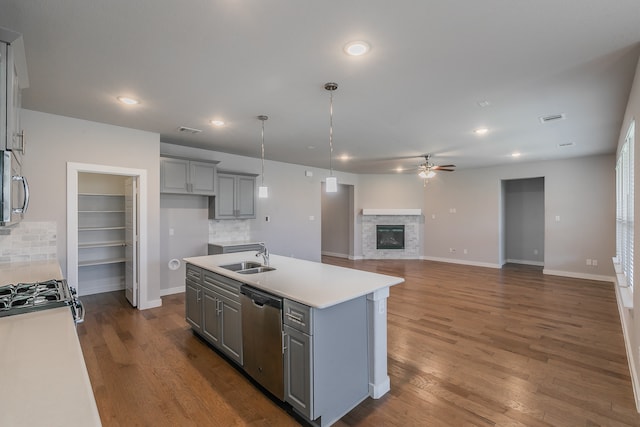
(428, 170)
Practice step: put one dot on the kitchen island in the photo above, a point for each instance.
(334, 326)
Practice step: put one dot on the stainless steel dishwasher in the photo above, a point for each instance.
(262, 338)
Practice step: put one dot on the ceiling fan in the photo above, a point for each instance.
(428, 170)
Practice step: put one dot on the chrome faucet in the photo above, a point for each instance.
(264, 252)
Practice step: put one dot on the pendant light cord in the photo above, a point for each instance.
(262, 119)
(331, 133)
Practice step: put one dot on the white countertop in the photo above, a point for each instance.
(44, 377)
(25, 272)
(311, 283)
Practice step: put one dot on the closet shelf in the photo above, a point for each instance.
(101, 262)
(100, 244)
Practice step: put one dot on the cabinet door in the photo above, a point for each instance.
(174, 176)
(298, 379)
(231, 329)
(15, 138)
(202, 178)
(211, 317)
(193, 305)
(246, 197)
(3, 95)
(225, 197)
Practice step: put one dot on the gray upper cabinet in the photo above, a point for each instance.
(236, 196)
(13, 78)
(184, 176)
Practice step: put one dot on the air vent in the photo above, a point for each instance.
(566, 144)
(189, 130)
(552, 118)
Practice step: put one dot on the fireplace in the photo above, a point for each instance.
(389, 236)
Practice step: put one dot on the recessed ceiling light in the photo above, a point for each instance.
(311, 147)
(344, 157)
(399, 169)
(128, 101)
(357, 48)
(484, 103)
(515, 154)
(481, 131)
(217, 123)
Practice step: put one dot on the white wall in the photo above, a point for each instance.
(580, 191)
(55, 140)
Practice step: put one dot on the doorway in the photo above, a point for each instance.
(523, 222)
(337, 225)
(107, 230)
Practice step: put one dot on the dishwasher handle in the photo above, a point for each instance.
(261, 298)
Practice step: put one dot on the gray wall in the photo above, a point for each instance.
(581, 191)
(524, 220)
(56, 140)
(184, 231)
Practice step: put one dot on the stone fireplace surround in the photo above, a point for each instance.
(410, 218)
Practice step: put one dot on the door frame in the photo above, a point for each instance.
(72, 222)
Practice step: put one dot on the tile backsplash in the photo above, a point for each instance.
(229, 230)
(29, 241)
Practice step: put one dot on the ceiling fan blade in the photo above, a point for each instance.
(441, 169)
(445, 166)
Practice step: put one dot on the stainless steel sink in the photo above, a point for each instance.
(254, 270)
(244, 265)
(247, 267)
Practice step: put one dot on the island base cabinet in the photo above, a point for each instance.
(193, 305)
(212, 309)
(327, 370)
(297, 365)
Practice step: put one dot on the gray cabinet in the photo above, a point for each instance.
(212, 307)
(184, 176)
(193, 297)
(216, 249)
(326, 359)
(13, 78)
(236, 196)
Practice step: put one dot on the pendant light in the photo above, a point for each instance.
(263, 191)
(331, 185)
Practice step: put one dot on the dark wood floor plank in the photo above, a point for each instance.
(467, 346)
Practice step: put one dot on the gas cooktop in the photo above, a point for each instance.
(27, 297)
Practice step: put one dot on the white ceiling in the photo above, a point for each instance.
(416, 92)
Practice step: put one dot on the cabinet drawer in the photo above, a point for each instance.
(223, 285)
(194, 273)
(298, 316)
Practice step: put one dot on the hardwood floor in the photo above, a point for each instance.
(467, 346)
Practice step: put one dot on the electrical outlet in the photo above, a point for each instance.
(535, 252)
(464, 251)
(588, 261)
(452, 250)
(267, 218)
(594, 262)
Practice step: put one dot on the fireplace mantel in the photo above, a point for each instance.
(404, 212)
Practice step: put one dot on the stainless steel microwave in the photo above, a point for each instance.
(14, 198)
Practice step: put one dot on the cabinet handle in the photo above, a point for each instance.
(23, 140)
(295, 319)
(284, 342)
(219, 307)
(198, 294)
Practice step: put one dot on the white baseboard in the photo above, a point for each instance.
(575, 275)
(150, 304)
(461, 261)
(171, 291)
(335, 254)
(525, 262)
(356, 257)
